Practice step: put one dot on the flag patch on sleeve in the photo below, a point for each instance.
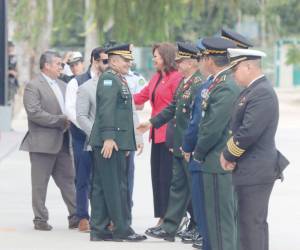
(107, 82)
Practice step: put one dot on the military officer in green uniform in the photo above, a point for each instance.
(112, 137)
(219, 199)
(179, 109)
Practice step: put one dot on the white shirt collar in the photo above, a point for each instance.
(255, 80)
(130, 73)
(48, 79)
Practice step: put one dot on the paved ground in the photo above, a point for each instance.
(16, 232)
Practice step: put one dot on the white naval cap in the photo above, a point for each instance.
(238, 55)
(75, 57)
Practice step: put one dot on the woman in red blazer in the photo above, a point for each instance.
(159, 92)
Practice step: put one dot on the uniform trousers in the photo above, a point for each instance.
(109, 195)
(60, 167)
(161, 174)
(180, 196)
(253, 202)
(130, 175)
(220, 210)
(198, 202)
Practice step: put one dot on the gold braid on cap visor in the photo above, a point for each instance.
(236, 42)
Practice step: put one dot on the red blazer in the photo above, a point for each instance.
(163, 96)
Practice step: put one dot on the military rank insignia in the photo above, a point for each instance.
(204, 93)
(142, 82)
(197, 79)
(242, 101)
(186, 94)
(204, 104)
(204, 96)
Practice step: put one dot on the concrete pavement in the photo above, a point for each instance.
(16, 230)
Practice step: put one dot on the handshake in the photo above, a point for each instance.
(143, 127)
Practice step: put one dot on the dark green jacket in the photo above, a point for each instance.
(213, 131)
(114, 118)
(179, 109)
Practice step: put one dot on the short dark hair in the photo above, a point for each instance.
(10, 44)
(47, 57)
(96, 53)
(220, 61)
(167, 51)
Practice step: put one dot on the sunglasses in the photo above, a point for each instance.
(104, 61)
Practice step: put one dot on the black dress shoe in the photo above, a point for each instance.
(73, 221)
(151, 229)
(190, 236)
(42, 226)
(161, 234)
(103, 238)
(198, 242)
(131, 238)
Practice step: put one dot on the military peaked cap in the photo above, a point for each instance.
(238, 55)
(186, 51)
(217, 46)
(238, 39)
(124, 50)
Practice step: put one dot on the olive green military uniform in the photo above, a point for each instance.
(180, 190)
(220, 202)
(114, 120)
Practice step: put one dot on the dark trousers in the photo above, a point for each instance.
(198, 204)
(82, 162)
(220, 210)
(253, 202)
(109, 195)
(161, 173)
(180, 196)
(130, 175)
(60, 167)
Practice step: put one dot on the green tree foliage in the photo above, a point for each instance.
(293, 55)
(144, 22)
(28, 16)
(288, 13)
(206, 18)
(68, 25)
(140, 21)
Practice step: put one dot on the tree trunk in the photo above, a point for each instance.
(44, 37)
(263, 28)
(91, 29)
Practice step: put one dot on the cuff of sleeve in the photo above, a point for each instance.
(198, 155)
(232, 151)
(155, 122)
(228, 156)
(106, 135)
(62, 120)
(187, 148)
